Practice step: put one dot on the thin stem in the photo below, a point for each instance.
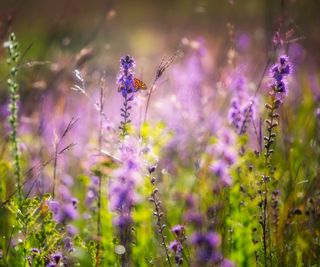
(149, 98)
(125, 114)
(55, 163)
(101, 107)
(159, 214)
(269, 141)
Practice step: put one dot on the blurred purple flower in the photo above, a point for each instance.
(178, 230)
(220, 170)
(124, 182)
(227, 263)
(193, 217)
(241, 109)
(68, 245)
(224, 155)
(56, 257)
(278, 73)
(63, 212)
(207, 245)
(243, 42)
(71, 230)
(176, 245)
(177, 248)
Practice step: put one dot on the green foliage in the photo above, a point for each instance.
(13, 61)
(36, 233)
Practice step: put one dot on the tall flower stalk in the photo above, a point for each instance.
(278, 73)
(13, 61)
(126, 88)
(158, 214)
(123, 195)
(100, 176)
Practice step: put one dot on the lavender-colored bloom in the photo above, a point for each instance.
(227, 263)
(63, 212)
(178, 230)
(220, 170)
(241, 109)
(125, 77)
(54, 206)
(126, 86)
(68, 245)
(123, 184)
(71, 230)
(91, 196)
(56, 257)
(235, 114)
(278, 73)
(243, 42)
(68, 212)
(225, 156)
(176, 247)
(194, 218)
(207, 247)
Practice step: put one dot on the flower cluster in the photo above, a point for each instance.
(278, 73)
(125, 83)
(225, 154)
(176, 245)
(125, 77)
(55, 260)
(241, 110)
(122, 187)
(64, 212)
(207, 247)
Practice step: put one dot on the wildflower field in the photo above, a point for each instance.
(160, 133)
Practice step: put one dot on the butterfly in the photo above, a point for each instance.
(139, 85)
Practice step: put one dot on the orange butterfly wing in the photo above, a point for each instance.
(139, 85)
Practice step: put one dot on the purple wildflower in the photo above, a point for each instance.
(278, 73)
(227, 263)
(178, 230)
(193, 217)
(241, 109)
(56, 257)
(125, 83)
(122, 188)
(207, 247)
(125, 78)
(71, 230)
(68, 245)
(176, 245)
(224, 153)
(63, 212)
(54, 206)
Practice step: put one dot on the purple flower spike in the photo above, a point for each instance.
(125, 77)
(56, 257)
(278, 73)
(178, 230)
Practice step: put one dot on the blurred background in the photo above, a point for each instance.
(57, 37)
(148, 29)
